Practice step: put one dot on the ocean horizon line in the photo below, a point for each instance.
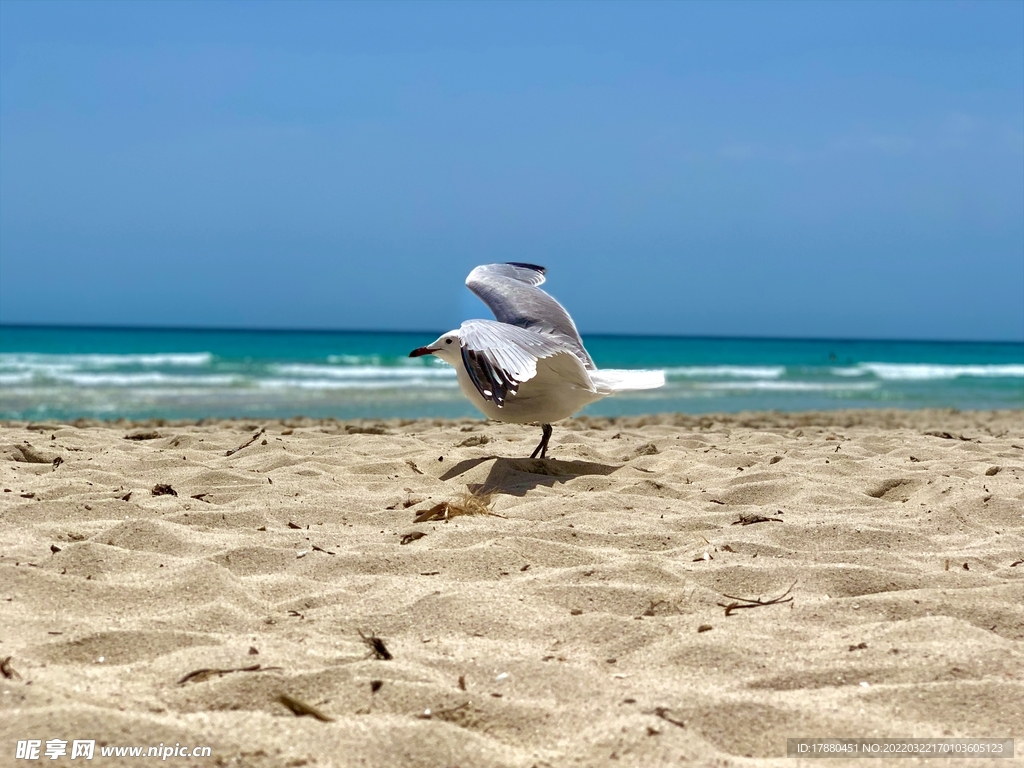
(391, 332)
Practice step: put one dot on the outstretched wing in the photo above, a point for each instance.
(511, 291)
(500, 357)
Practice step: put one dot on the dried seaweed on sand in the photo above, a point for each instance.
(468, 503)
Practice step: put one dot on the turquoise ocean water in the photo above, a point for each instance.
(67, 373)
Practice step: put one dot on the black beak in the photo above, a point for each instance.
(421, 351)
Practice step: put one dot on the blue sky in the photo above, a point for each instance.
(763, 169)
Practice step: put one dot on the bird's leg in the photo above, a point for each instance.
(542, 447)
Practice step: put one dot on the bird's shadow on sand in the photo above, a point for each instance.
(517, 476)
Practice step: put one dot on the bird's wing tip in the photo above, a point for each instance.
(520, 271)
(524, 265)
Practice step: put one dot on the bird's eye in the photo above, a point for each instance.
(447, 341)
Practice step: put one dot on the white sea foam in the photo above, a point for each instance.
(790, 386)
(356, 359)
(41, 366)
(727, 371)
(142, 379)
(11, 379)
(41, 361)
(363, 371)
(932, 372)
(314, 384)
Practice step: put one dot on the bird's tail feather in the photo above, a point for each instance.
(608, 381)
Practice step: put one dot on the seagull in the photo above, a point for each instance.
(528, 365)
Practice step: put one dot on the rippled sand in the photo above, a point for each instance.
(582, 622)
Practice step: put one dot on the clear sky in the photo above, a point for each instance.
(762, 169)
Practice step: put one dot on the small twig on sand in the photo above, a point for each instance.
(750, 602)
(301, 708)
(200, 675)
(751, 519)
(247, 443)
(663, 713)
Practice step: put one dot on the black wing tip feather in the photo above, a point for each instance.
(524, 265)
(491, 382)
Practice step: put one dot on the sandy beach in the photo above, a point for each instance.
(660, 591)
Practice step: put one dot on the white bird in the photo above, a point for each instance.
(529, 365)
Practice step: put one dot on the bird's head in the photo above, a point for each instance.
(448, 347)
